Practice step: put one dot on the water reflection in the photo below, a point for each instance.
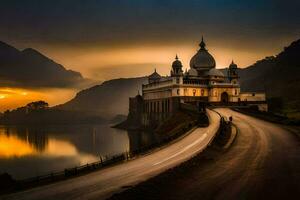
(12, 146)
(27, 151)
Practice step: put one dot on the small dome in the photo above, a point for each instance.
(154, 75)
(202, 59)
(176, 64)
(193, 72)
(139, 97)
(233, 65)
(215, 72)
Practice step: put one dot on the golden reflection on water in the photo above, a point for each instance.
(60, 148)
(13, 146)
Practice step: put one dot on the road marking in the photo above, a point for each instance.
(183, 150)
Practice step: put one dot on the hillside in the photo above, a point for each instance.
(279, 76)
(30, 68)
(108, 99)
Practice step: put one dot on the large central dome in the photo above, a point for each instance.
(202, 60)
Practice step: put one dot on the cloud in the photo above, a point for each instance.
(129, 21)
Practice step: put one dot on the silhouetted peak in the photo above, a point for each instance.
(4, 47)
(33, 52)
(290, 54)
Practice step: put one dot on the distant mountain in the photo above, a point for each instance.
(279, 76)
(30, 68)
(108, 99)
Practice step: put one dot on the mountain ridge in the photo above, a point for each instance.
(31, 68)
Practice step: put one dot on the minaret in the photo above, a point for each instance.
(232, 73)
(176, 67)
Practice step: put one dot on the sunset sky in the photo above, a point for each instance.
(127, 38)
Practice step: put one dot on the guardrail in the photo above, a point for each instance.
(225, 125)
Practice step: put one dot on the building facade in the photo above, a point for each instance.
(201, 85)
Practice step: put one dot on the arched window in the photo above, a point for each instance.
(202, 92)
(194, 92)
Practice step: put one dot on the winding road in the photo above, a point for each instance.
(103, 183)
(262, 163)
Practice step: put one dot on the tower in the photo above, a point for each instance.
(232, 73)
(176, 67)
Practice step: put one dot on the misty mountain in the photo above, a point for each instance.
(279, 76)
(108, 99)
(30, 68)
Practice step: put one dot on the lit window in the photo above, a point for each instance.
(202, 92)
(185, 92)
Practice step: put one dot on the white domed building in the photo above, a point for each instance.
(201, 84)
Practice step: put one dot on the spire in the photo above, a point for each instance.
(202, 44)
(232, 62)
(176, 58)
(154, 69)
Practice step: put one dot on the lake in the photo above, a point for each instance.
(26, 152)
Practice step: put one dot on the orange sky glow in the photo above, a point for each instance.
(102, 63)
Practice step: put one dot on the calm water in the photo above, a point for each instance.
(27, 152)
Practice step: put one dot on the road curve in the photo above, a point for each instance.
(101, 184)
(262, 163)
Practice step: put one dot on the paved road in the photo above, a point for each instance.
(101, 184)
(262, 163)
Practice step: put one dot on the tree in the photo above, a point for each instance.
(37, 105)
